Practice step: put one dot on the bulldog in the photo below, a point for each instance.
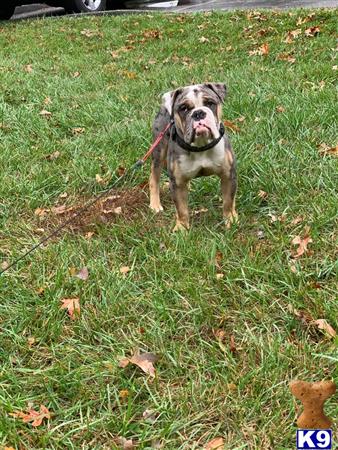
(195, 145)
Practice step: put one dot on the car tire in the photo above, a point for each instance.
(87, 6)
(6, 11)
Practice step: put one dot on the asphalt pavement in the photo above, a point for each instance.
(37, 10)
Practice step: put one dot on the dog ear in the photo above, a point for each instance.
(220, 90)
(169, 99)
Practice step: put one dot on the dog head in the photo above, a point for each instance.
(197, 111)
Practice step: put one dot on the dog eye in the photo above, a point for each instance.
(184, 108)
(209, 104)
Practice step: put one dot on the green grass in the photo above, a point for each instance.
(171, 302)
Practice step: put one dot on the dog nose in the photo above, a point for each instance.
(199, 114)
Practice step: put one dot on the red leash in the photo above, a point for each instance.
(154, 145)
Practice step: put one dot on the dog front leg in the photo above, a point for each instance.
(154, 179)
(179, 194)
(229, 187)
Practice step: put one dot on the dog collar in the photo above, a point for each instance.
(181, 142)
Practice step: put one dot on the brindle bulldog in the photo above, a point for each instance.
(195, 145)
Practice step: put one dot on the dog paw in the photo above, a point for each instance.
(230, 219)
(181, 227)
(156, 208)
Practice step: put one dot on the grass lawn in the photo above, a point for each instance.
(229, 313)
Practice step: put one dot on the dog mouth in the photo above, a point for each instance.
(201, 130)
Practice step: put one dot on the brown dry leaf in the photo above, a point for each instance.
(312, 31)
(129, 75)
(203, 39)
(219, 276)
(41, 212)
(9, 448)
(302, 245)
(126, 444)
(47, 101)
(31, 341)
(144, 361)
(326, 150)
(322, 324)
(256, 15)
(297, 220)
(291, 35)
(99, 179)
(76, 75)
(35, 417)
(260, 51)
(218, 259)
(78, 130)
(215, 444)
(120, 171)
(4, 265)
(232, 126)
(28, 68)
(124, 393)
(72, 305)
(233, 348)
(83, 274)
(53, 156)
(262, 194)
(91, 33)
(45, 113)
(59, 209)
(280, 109)
(286, 57)
(124, 270)
(302, 20)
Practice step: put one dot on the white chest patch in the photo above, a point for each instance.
(211, 161)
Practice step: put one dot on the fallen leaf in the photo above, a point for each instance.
(124, 270)
(76, 75)
(31, 341)
(233, 348)
(232, 126)
(99, 179)
(218, 259)
(78, 130)
(83, 274)
(322, 324)
(291, 35)
(215, 444)
(72, 305)
(59, 209)
(260, 51)
(47, 101)
(262, 194)
(53, 156)
(117, 210)
(9, 448)
(219, 276)
(35, 417)
(126, 444)
(302, 245)
(297, 220)
(28, 68)
(41, 212)
(45, 113)
(302, 20)
(4, 265)
(89, 235)
(312, 31)
(326, 150)
(256, 15)
(203, 39)
(280, 109)
(144, 361)
(149, 415)
(91, 33)
(124, 393)
(129, 75)
(286, 57)
(120, 171)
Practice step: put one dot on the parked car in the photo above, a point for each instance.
(7, 7)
